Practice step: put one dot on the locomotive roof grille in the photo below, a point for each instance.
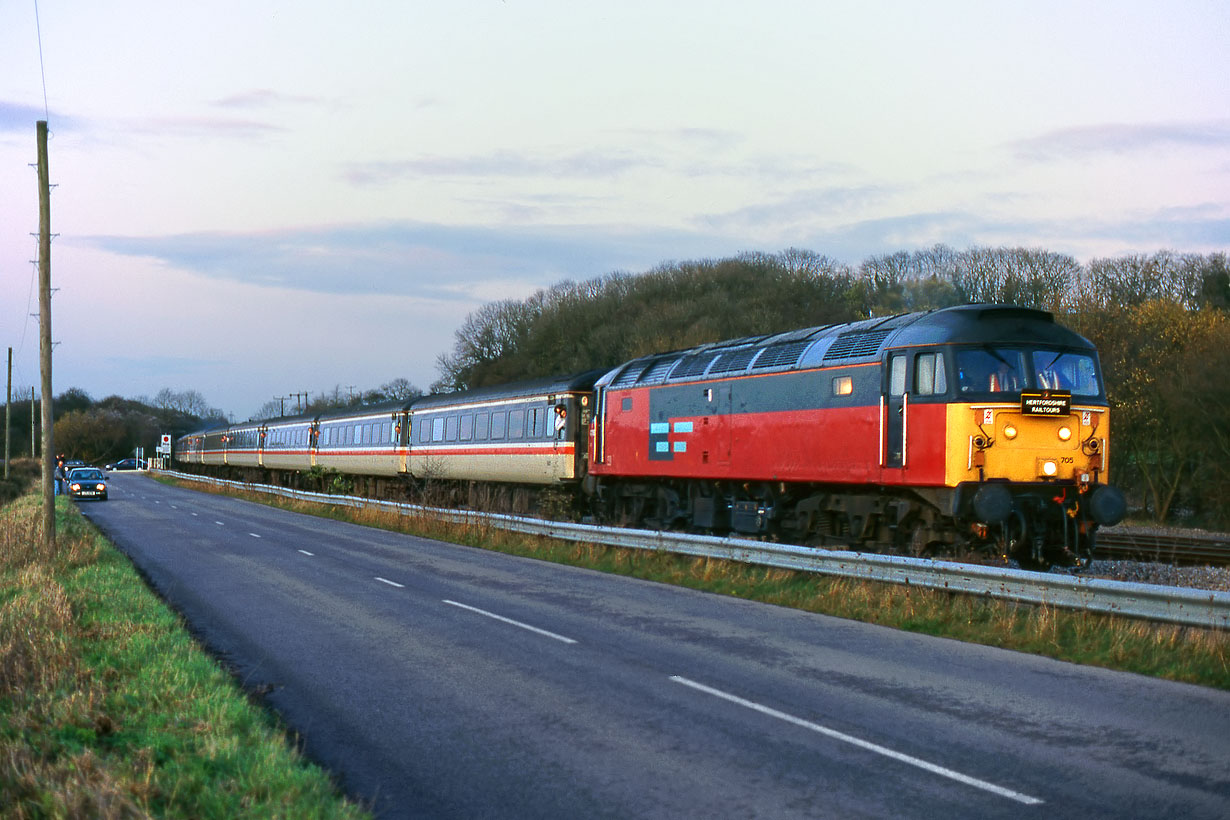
(734, 360)
(856, 343)
(657, 371)
(629, 375)
(781, 355)
(692, 366)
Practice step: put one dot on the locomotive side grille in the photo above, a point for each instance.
(781, 355)
(856, 344)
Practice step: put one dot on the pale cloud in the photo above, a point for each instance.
(206, 127)
(265, 98)
(503, 164)
(1118, 138)
(410, 259)
(19, 119)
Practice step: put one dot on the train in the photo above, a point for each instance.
(977, 429)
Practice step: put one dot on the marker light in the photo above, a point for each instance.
(1010, 432)
(1065, 433)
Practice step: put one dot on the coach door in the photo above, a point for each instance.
(894, 407)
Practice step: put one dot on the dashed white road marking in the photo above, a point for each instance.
(219, 523)
(502, 619)
(390, 583)
(305, 552)
(862, 744)
(254, 535)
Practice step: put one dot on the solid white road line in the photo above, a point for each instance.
(502, 619)
(390, 583)
(862, 744)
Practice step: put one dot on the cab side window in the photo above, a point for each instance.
(930, 376)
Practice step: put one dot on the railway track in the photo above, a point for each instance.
(1180, 549)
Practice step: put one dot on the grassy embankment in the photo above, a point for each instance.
(108, 709)
(1191, 655)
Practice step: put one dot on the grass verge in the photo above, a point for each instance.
(1187, 654)
(108, 709)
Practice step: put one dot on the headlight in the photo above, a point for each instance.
(1049, 468)
(1065, 433)
(101, 487)
(1010, 432)
(75, 487)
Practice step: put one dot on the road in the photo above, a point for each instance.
(438, 680)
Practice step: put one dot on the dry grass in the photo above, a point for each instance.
(107, 707)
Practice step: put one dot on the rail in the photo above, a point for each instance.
(1176, 605)
(1172, 548)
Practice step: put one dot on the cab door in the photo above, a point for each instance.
(893, 412)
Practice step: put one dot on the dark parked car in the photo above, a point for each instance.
(127, 464)
(87, 482)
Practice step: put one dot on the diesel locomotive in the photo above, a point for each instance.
(969, 429)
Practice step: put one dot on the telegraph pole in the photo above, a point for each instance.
(8, 412)
(44, 323)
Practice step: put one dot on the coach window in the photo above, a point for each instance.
(538, 422)
(843, 386)
(482, 423)
(424, 430)
(516, 424)
(437, 429)
(467, 427)
(499, 423)
(930, 377)
(451, 427)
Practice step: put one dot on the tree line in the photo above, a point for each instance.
(1160, 321)
(109, 429)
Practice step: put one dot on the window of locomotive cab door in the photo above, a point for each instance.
(896, 375)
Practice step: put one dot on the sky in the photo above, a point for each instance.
(260, 198)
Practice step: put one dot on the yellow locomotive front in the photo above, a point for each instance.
(1028, 452)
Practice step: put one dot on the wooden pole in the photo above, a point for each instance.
(33, 437)
(8, 412)
(44, 348)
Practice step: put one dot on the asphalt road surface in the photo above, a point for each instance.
(445, 681)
